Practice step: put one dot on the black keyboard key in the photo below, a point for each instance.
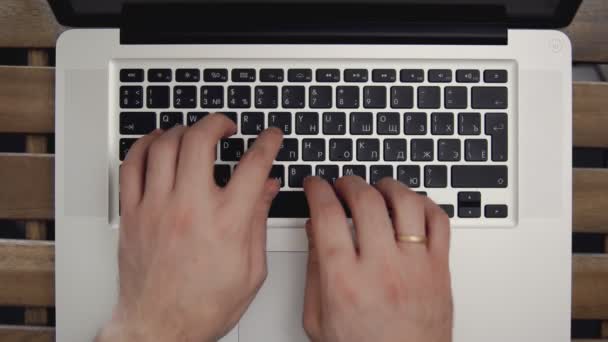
(320, 97)
(188, 75)
(281, 120)
(489, 98)
(243, 75)
(411, 75)
(361, 123)
(496, 211)
(231, 116)
(440, 76)
(131, 97)
(160, 75)
(289, 204)
(402, 97)
(469, 212)
(272, 75)
(495, 76)
(215, 75)
(409, 175)
(467, 76)
(497, 126)
(278, 172)
(307, 123)
(293, 96)
(170, 119)
(132, 123)
(415, 123)
(429, 97)
(368, 149)
(442, 123)
(384, 75)
(252, 123)
(132, 75)
(341, 150)
(158, 97)
(125, 146)
(328, 75)
(469, 124)
(288, 150)
(239, 97)
(334, 123)
(347, 97)
(422, 149)
(388, 123)
(456, 98)
(299, 75)
(469, 204)
(435, 176)
(184, 97)
(476, 150)
(377, 172)
(479, 176)
(194, 117)
(354, 170)
(448, 150)
(212, 97)
(356, 75)
(374, 97)
(266, 97)
(221, 174)
(330, 173)
(232, 149)
(448, 208)
(297, 173)
(395, 149)
(313, 149)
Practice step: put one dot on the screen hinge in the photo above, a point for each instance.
(318, 23)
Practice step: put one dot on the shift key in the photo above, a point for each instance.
(479, 176)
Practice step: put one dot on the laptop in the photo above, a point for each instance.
(467, 102)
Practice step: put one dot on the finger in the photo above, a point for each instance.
(254, 169)
(162, 162)
(312, 296)
(133, 172)
(198, 153)
(408, 210)
(260, 220)
(329, 227)
(438, 230)
(370, 216)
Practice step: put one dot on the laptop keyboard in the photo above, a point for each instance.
(444, 131)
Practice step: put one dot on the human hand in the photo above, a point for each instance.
(192, 255)
(381, 290)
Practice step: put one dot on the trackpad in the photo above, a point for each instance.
(276, 313)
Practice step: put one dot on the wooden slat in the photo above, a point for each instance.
(590, 287)
(28, 23)
(27, 99)
(26, 181)
(590, 200)
(590, 119)
(26, 273)
(13, 333)
(589, 32)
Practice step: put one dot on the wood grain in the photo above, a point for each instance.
(26, 181)
(590, 200)
(590, 287)
(589, 32)
(28, 23)
(27, 273)
(590, 116)
(13, 333)
(27, 99)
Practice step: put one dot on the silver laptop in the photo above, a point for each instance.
(468, 102)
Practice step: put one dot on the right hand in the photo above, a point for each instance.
(378, 290)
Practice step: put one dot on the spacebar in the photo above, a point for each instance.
(289, 204)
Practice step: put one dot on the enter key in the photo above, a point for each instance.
(497, 127)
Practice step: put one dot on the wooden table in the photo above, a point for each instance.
(26, 180)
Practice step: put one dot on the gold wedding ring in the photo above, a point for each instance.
(411, 238)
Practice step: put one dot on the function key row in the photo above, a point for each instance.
(321, 75)
(372, 97)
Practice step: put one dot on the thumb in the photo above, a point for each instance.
(312, 296)
(259, 220)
